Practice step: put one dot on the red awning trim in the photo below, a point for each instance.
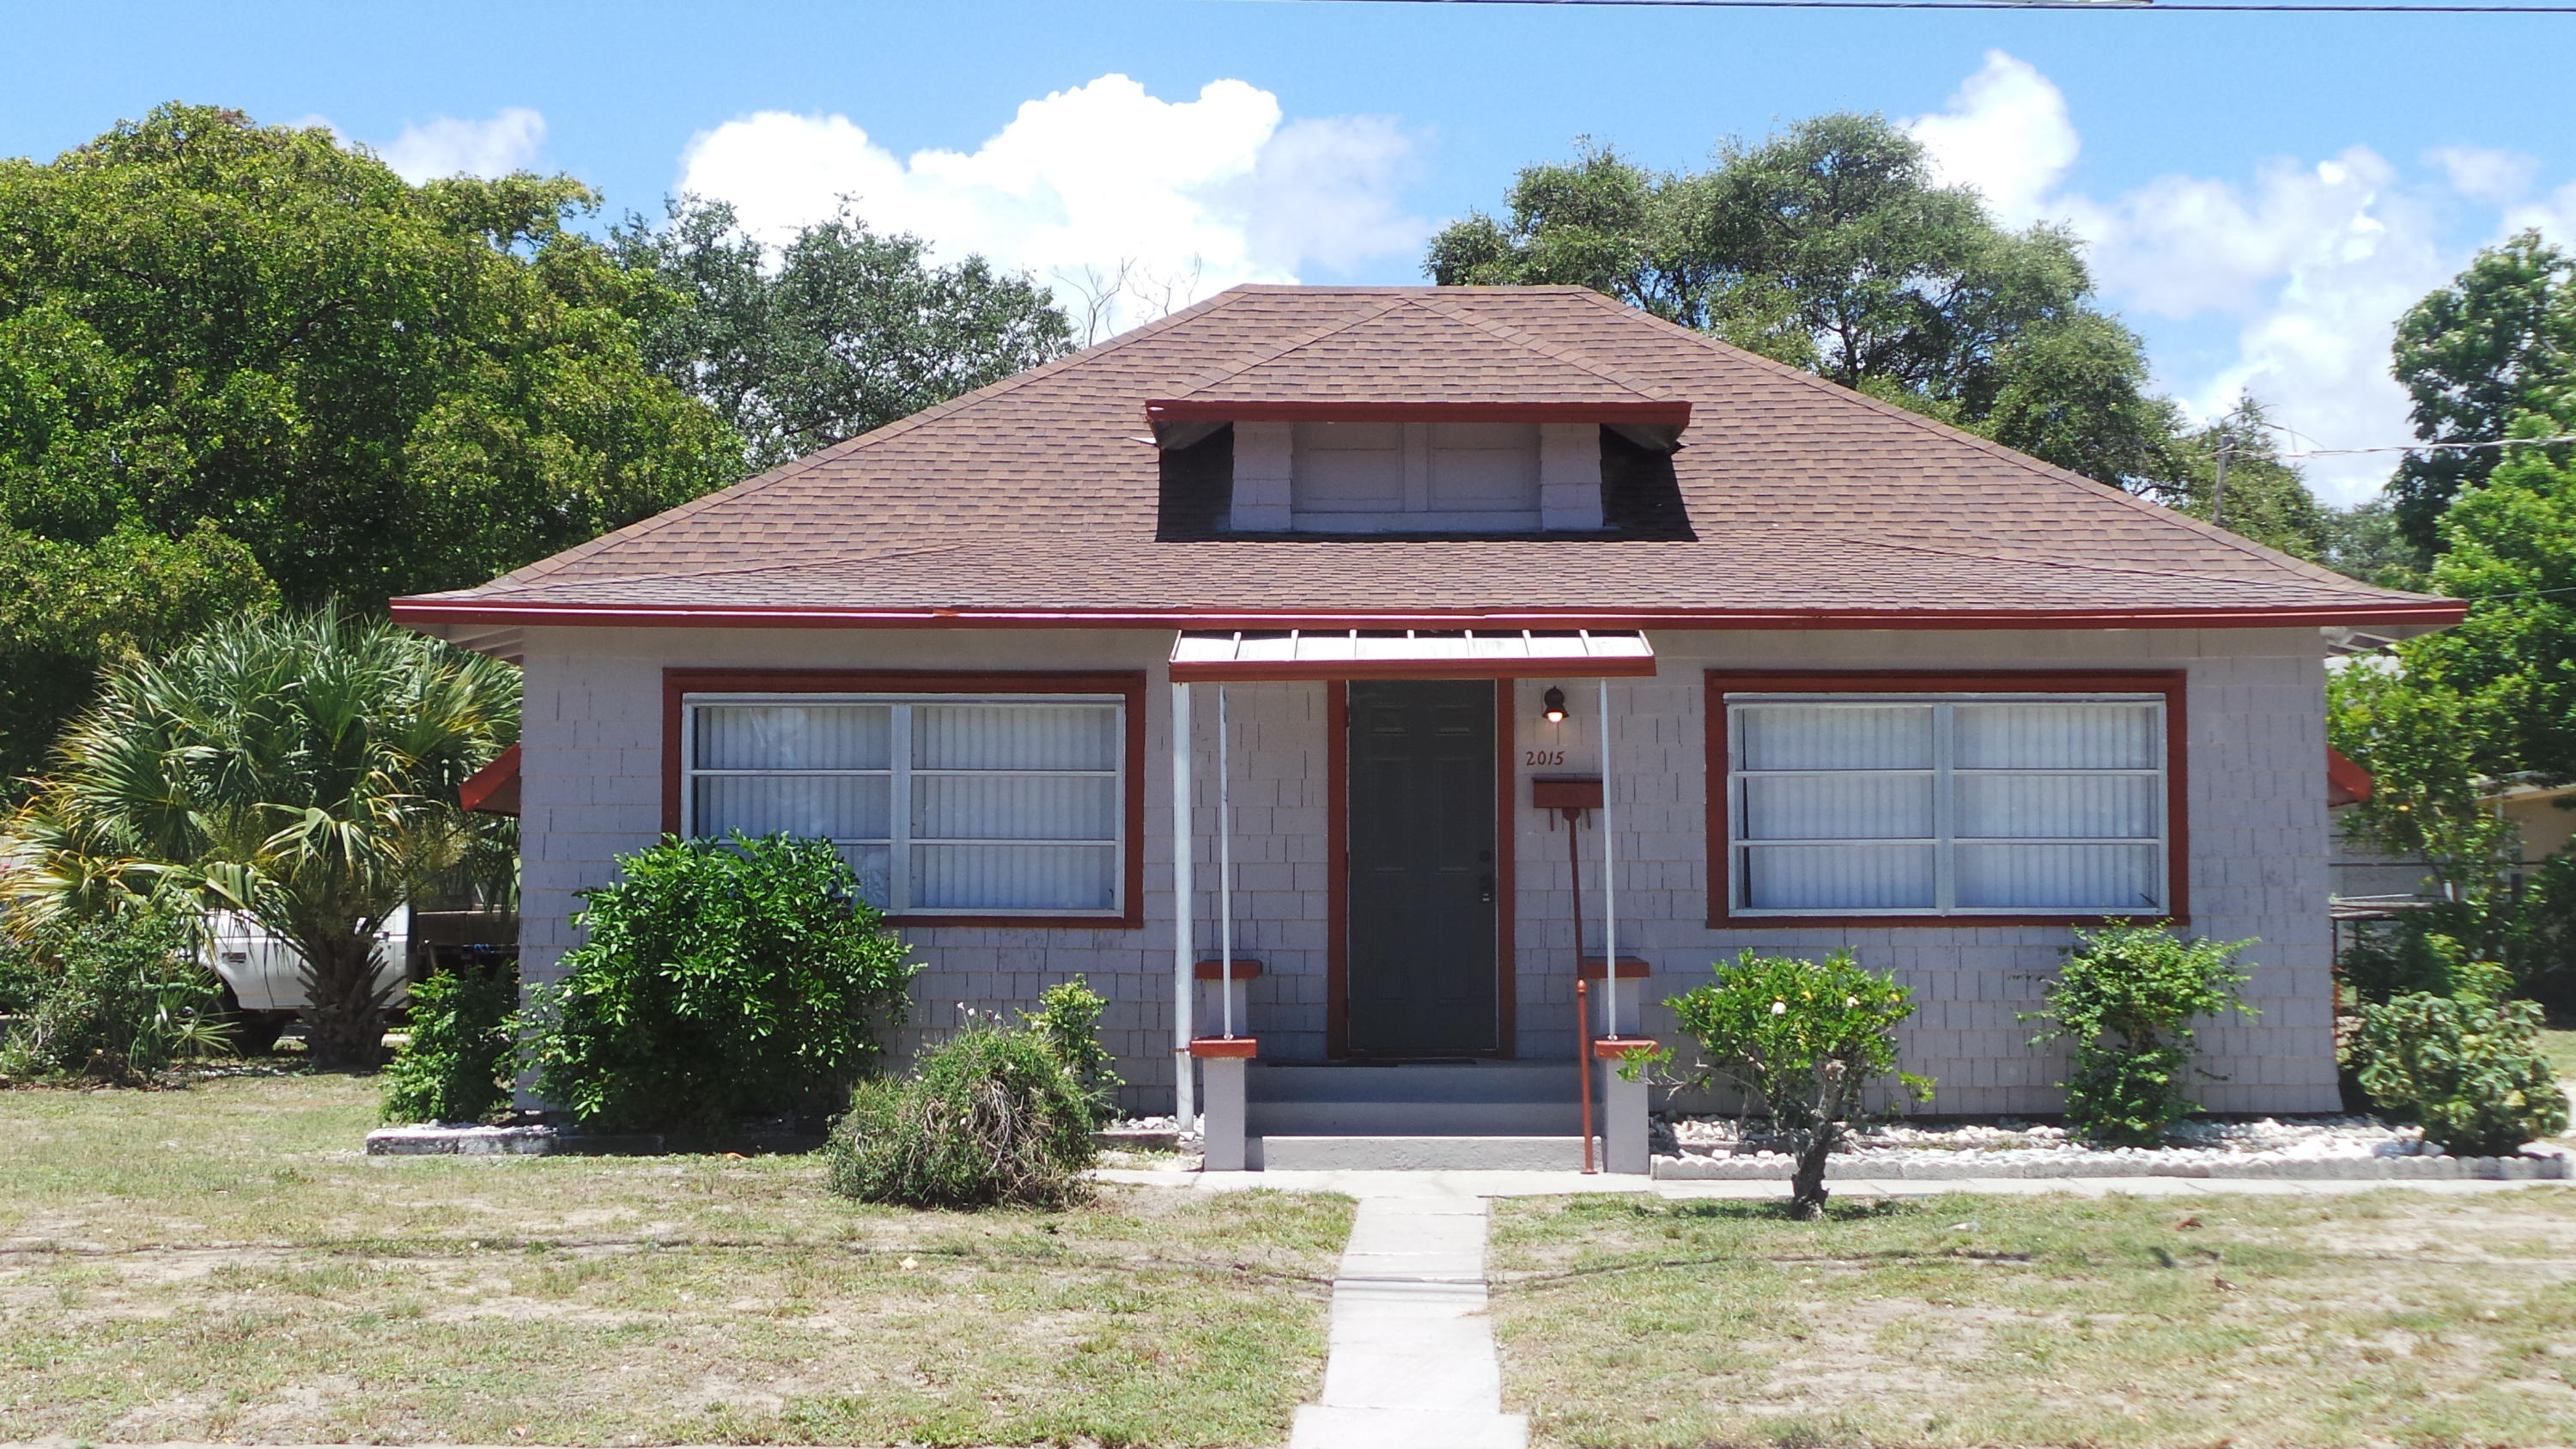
(2346, 782)
(494, 789)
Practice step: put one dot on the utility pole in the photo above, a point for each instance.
(2218, 488)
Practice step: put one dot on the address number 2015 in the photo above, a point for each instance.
(1542, 757)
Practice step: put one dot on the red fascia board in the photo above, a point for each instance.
(718, 616)
(1208, 410)
(2347, 782)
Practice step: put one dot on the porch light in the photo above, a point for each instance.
(1555, 702)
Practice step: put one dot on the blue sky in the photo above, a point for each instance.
(2262, 193)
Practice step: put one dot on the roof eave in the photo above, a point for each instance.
(437, 614)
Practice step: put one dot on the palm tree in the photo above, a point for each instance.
(301, 768)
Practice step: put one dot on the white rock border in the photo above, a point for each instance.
(1936, 1166)
(436, 1140)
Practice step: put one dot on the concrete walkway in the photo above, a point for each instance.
(1413, 1363)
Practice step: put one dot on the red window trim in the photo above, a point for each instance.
(2171, 683)
(1337, 852)
(1129, 684)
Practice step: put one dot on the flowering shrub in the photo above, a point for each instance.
(1805, 1040)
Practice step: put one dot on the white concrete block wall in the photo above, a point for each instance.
(592, 789)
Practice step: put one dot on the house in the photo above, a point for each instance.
(1410, 574)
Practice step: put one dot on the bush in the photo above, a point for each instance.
(1068, 1022)
(2470, 1068)
(464, 1039)
(1804, 1040)
(722, 980)
(116, 999)
(2126, 997)
(992, 1117)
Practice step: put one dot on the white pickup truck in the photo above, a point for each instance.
(263, 977)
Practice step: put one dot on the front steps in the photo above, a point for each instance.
(1495, 1116)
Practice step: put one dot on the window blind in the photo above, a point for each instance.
(1947, 805)
(942, 804)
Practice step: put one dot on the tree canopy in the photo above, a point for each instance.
(842, 330)
(2479, 356)
(1831, 246)
(242, 364)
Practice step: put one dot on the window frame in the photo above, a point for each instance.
(1905, 686)
(1125, 688)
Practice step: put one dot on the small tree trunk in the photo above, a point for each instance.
(1807, 1181)
(344, 1012)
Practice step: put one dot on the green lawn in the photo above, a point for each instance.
(222, 1263)
(2390, 1318)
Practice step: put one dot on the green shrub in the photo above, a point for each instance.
(1068, 1022)
(2389, 959)
(464, 1039)
(1803, 1041)
(993, 1117)
(2470, 1068)
(722, 980)
(2126, 998)
(117, 999)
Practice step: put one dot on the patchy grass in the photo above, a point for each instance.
(2390, 1318)
(223, 1263)
(2559, 1044)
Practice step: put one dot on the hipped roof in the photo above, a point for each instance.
(1044, 500)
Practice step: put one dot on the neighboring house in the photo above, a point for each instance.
(1867, 682)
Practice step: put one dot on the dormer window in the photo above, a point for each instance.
(1416, 477)
(1399, 477)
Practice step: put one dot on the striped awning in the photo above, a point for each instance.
(1409, 654)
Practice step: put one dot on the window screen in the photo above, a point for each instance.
(946, 804)
(1947, 805)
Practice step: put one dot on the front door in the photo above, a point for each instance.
(1422, 871)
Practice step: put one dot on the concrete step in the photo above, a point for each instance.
(1412, 1082)
(1286, 1152)
(1334, 1118)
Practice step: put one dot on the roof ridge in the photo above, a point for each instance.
(1273, 353)
(2040, 466)
(1416, 299)
(798, 467)
(1548, 347)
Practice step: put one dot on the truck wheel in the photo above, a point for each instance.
(256, 1034)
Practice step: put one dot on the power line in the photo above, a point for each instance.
(2201, 5)
(2416, 447)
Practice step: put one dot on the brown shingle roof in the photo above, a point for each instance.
(1043, 499)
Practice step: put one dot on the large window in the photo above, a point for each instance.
(2006, 804)
(946, 804)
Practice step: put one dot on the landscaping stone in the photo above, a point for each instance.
(465, 1140)
(2353, 1148)
(1923, 1166)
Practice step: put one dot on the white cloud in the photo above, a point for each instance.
(2309, 264)
(1099, 181)
(2007, 134)
(447, 147)
(2485, 173)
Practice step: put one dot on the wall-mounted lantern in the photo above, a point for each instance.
(1554, 700)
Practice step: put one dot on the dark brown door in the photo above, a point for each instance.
(1422, 872)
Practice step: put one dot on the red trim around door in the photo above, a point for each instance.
(1337, 852)
(1129, 683)
(2168, 682)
